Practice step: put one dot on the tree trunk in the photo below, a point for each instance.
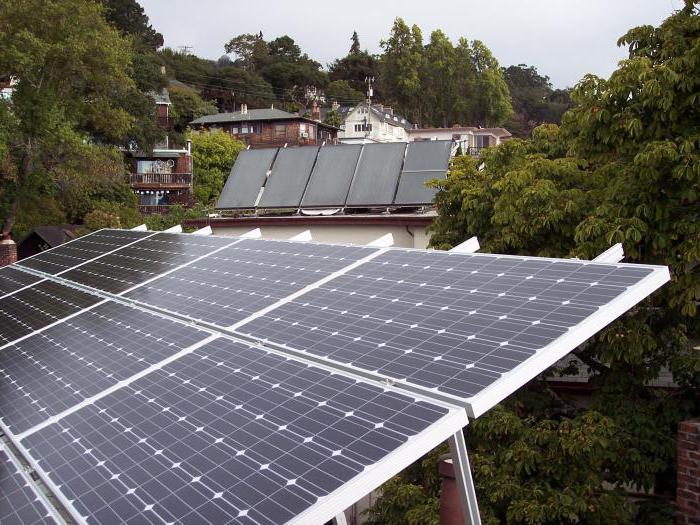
(26, 169)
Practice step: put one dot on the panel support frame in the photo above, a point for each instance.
(463, 477)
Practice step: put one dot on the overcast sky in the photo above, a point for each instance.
(564, 39)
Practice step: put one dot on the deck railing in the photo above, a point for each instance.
(161, 179)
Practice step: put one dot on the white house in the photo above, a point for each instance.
(470, 139)
(363, 124)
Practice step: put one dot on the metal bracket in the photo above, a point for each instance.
(463, 477)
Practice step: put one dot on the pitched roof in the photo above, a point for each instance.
(252, 114)
(55, 235)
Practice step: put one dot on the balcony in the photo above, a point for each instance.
(153, 181)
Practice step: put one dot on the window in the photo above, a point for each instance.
(280, 130)
(234, 130)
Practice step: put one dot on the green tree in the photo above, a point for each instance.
(355, 68)
(492, 105)
(187, 106)
(401, 67)
(333, 119)
(213, 155)
(75, 96)
(128, 16)
(624, 167)
(438, 80)
(341, 91)
(355, 46)
(251, 49)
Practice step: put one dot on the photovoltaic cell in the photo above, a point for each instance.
(12, 279)
(377, 175)
(290, 173)
(247, 177)
(451, 322)
(38, 306)
(85, 248)
(20, 504)
(58, 368)
(425, 160)
(332, 175)
(239, 280)
(226, 434)
(144, 260)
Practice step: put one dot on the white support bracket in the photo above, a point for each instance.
(304, 236)
(252, 234)
(463, 477)
(203, 231)
(175, 229)
(468, 246)
(140, 228)
(340, 519)
(614, 254)
(385, 241)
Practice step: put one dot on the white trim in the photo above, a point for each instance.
(340, 519)
(464, 480)
(140, 228)
(373, 476)
(385, 241)
(117, 386)
(306, 289)
(50, 509)
(59, 321)
(612, 255)
(304, 236)
(471, 245)
(564, 344)
(203, 231)
(255, 233)
(173, 229)
(23, 270)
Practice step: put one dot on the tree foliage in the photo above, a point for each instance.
(340, 91)
(74, 101)
(213, 154)
(624, 167)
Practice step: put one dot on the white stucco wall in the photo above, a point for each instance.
(404, 236)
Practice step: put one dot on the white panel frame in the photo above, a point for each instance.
(304, 236)
(614, 254)
(140, 228)
(203, 231)
(471, 245)
(174, 229)
(385, 241)
(564, 344)
(255, 233)
(372, 477)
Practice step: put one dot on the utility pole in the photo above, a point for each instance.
(370, 90)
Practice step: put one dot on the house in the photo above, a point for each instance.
(470, 139)
(7, 87)
(366, 123)
(44, 238)
(163, 177)
(266, 128)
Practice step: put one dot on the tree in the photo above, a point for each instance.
(187, 106)
(355, 68)
(251, 50)
(438, 80)
(401, 67)
(492, 105)
(534, 100)
(355, 47)
(128, 16)
(341, 92)
(333, 119)
(623, 167)
(74, 98)
(213, 155)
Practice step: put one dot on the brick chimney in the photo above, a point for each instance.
(244, 109)
(688, 490)
(315, 112)
(450, 502)
(8, 251)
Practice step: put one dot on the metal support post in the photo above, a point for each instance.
(463, 477)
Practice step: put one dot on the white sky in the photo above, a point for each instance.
(564, 39)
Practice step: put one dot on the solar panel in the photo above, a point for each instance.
(12, 279)
(459, 324)
(425, 160)
(332, 175)
(236, 282)
(377, 175)
(68, 363)
(144, 260)
(20, 501)
(290, 173)
(233, 434)
(247, 177)
(37, 307)
(80, 250)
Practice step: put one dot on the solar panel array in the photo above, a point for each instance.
(20, 501)
(205, 379)
(366, 175)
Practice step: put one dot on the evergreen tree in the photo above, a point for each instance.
(355, 47)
